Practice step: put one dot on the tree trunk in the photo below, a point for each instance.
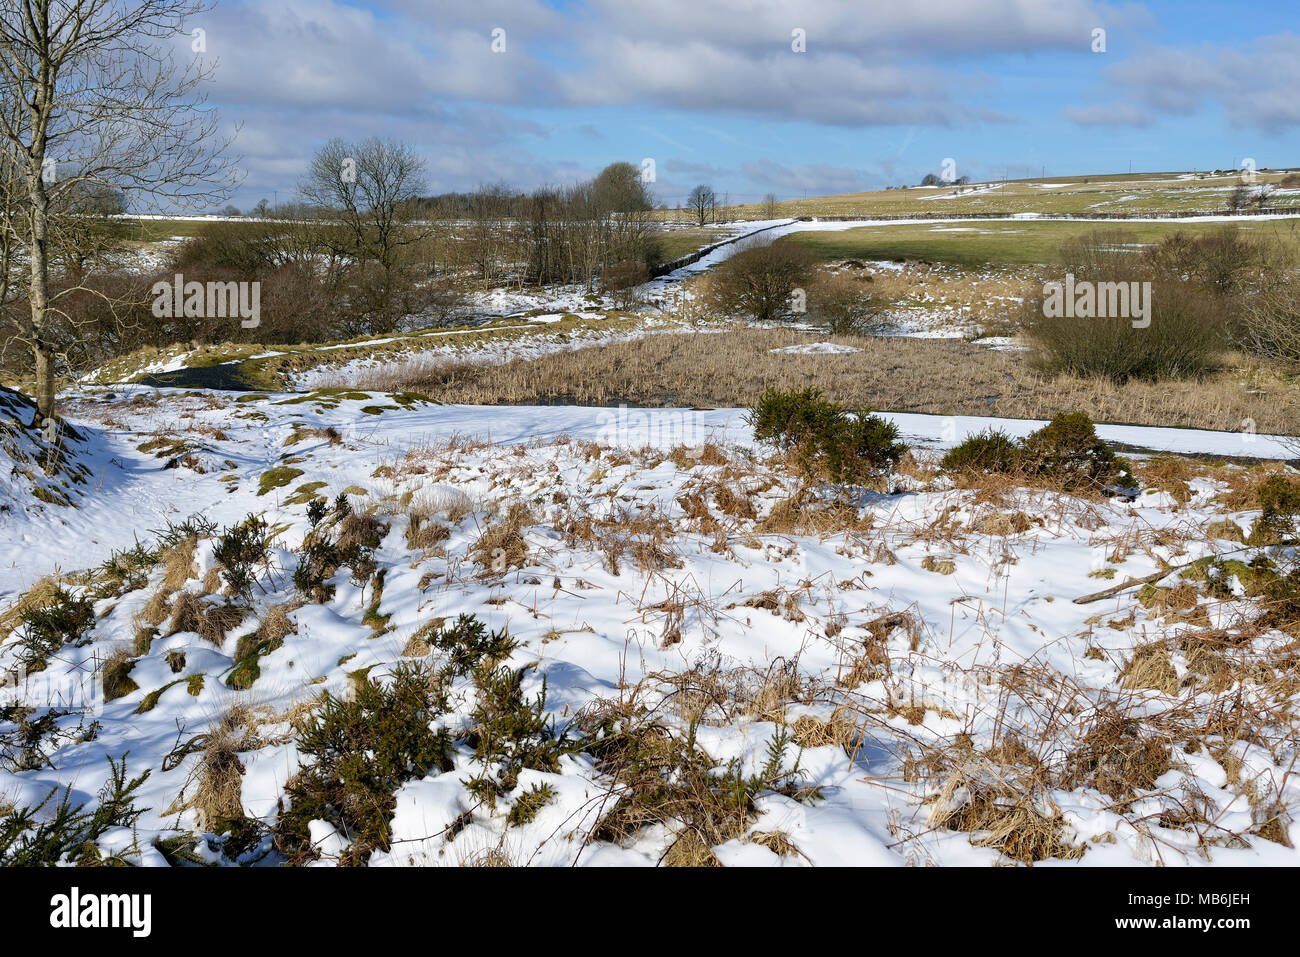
(38, 289)
(44, 357)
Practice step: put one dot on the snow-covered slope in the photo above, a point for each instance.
(658, 561)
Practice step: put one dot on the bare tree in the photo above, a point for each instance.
(102, 101)
(759, 278)
(372, 187)
(770, 210)
(703, 201)
(366, 194)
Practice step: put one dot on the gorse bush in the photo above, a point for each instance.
(1279, 503)
(825, 440)
(988, 451)
(1066, 453)
(360, 751)
(124, 571)
(28, 738)
(347, 539)
(666, 779)
(51, 625)
(56, 832)
(468, 644)
(509, 733)
(240, 549)
(783, 419)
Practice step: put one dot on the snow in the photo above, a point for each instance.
(816, 349)
(607, 632)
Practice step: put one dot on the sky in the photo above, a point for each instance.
(753, 96)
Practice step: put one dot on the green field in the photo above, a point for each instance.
(675, 243)
(1136, 193)
(1016, 243)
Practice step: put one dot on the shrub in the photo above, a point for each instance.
(759, 278)
(1279, 503)
(51, 625)
(347, 540)
(509, 734)
(529, 803)
(1065, 453)
(988, 451)
(28, 739)
(1068, 452)
(623, 280)
(1191, 289)
(825, 440)
(240, 549)
(783, 418)
(124, 571)
(45, 835)
(1270, 318)
(839, 303)
(361, 751)
(468, 644)
(666, 779)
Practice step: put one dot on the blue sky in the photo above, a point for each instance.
(712, 90)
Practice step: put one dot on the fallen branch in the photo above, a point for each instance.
(1156, 576)
(1124, 586)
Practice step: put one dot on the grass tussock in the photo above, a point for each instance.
(115, 674)
(503, 545)
(211, 621)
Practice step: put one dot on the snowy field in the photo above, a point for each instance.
(650, 567)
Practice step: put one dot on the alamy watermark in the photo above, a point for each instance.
(78, 690)
(208, 300)
(1084, 299)
(75, 910)
(656, 428)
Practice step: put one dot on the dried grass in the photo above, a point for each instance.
(938, 376)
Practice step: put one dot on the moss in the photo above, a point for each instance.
(194, 685)
(373, 618)
(305, 493)
(51, 496)
(1254, 577)
(277, 477)
(244, 674)
(151, 699)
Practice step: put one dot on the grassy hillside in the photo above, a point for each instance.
(1018, 243)
(1138, 193)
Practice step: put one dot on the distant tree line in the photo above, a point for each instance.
(363, 248)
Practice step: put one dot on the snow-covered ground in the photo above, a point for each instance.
(653, 557)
